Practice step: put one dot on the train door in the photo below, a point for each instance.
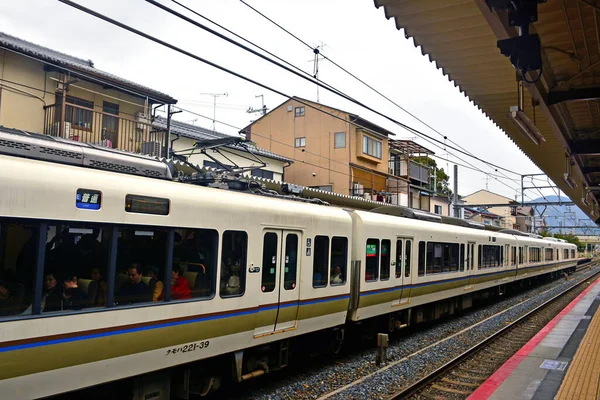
(470, 263)
(404, 257)
(279, 296)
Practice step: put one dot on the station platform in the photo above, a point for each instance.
(561, 362)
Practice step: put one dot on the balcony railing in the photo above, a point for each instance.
(398, 167)
(104, 129)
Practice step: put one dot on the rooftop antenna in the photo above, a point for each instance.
(214, 96)
(317, 57)
(263, 109)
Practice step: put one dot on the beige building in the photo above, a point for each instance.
(342, 153)
(254, 160)
(484, 217)
(98, 107)
(440, 205)
(508, 213)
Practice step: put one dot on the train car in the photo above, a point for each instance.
(258, 270)
(89, 236)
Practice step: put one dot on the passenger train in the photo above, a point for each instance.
(262, 272)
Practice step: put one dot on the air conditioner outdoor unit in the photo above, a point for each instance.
(151, 148)
(55, 130)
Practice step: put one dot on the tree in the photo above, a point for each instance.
(441, 179)
(571, 238)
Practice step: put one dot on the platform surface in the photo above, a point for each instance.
(566, 350)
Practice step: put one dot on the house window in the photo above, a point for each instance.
(339, 141)
(438, 210)
(79, 114)
(299, 111)
(487, 222)
(371, 147)
(110, 122)
(261, 173)
(301, 142)
(496, 223)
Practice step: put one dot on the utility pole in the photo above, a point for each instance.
(263, 109)
(214, 96)
(456, 209)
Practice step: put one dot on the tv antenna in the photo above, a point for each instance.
(214, 96)
(263, 109)
(317, 57)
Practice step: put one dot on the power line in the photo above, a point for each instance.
(302, 75)
(243, 77)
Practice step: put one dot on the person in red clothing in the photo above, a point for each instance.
(179, 286)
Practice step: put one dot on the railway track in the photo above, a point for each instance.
(461, 376)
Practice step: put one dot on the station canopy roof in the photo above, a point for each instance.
(461, 37)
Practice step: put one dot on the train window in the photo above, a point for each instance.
(549, 254)
(320, 261)
(407, 258)
(572, 253)
(269, 262)
(520, 255)
(421, 258)
(18, 257)
(141, 257)
(399, 245)
(233, 263)
(291, 261)
(490, 256)
(442, 257)
(557, 254)
(462, 257)
(75, 267)
(372, 260)
(195, 258)
(385, 259)
(480, 263)
(565, 254)
(339, 259)
(472, 256)
(513, 256)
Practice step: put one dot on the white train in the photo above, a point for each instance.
(261, 271)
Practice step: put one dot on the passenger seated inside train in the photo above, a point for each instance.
(155, 285)
(336, 277)
(180, 288)
(64, 295)
(134, 291)
(101, 287)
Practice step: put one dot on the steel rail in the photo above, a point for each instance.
(418, 386)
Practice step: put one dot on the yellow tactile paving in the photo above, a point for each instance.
(582, 381)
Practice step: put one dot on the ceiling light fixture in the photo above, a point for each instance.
(525, 125)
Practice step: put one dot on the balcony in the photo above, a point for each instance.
(400, 167)
(133, 134)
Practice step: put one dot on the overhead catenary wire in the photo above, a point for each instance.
(224, 69)
(301, 75)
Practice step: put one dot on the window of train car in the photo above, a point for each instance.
(195, 257)
(399, 246)
(75, 267)
(462, 257)
(513, 256)
(269, 262)
(490, 256)
(572, 253)
(535, 254)
(521, 255)
(339, 259)
(407, 258)
(549, 254)
(18, 256)
(442, 257)
(141, 258)
(320, 261)
(291, 261)
(421, 271)
(386, 248)
(233, 263)
(372, 260)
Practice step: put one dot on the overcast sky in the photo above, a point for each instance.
(355, 33)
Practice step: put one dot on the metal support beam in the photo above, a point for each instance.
(585, 147)
(559, 96)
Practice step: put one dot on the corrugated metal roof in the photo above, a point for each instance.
(199, 133)
(86, 67)
(461, 37)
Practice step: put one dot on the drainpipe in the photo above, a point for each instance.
(63, 106)
(289, 163)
